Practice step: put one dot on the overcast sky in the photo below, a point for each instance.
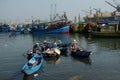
(21, 10)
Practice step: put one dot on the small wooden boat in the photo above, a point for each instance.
(76, 51)
(62, 46)
(33, 64)
(81, 53)
(51, 52)
(50, 49)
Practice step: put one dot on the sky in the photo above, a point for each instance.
(25, 10)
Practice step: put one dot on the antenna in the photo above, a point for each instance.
(110, 4)
(51, 12)
(90, 10)
(116, 7)
(117, 2)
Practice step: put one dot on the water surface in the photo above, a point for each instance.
(103, 64)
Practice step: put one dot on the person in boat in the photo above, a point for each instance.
(29, 54)
(35, 47)
(75, 43)
(45, 46)
(55, 44)
(74, 46)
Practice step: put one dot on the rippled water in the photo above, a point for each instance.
(103, 64)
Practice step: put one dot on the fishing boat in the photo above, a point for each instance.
(4, 28)
(54, 27)
(80, 53)
(51, 52)
(33, 64)
(48, 50)
(74, 28)
(61, 47)
(59, 24)
(26, 29)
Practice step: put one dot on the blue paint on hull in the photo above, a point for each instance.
(61, 29)
(27, 69)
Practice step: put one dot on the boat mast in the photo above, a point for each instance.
(55, 12)
(51, 14)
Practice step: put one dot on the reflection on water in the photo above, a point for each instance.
(34, 76)
(86, 60)
(108, 43)
(76, 77)
(65, 54)
(51, 37)
(27, 77)
(83, 42)
(52, 60)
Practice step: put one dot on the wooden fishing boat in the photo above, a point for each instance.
(33, 64)
(80, 53)
(4, 28)
(76, 51)
(74, 28)
(45, 28)
(51, 52)
(61, 47)
(59, 24)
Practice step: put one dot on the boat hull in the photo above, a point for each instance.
(53, 52)
(28, 70)
(60, 30)
(80, 53)
(4, 30)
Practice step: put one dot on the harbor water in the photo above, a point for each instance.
(103, 63)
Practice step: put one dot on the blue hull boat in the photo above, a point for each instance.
(33, 64)
(59, 29)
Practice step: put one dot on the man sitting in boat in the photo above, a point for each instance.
(35, 47)
(44, 46)
(74, 48)
(29, 54)
(74, 45)
(55, 44)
